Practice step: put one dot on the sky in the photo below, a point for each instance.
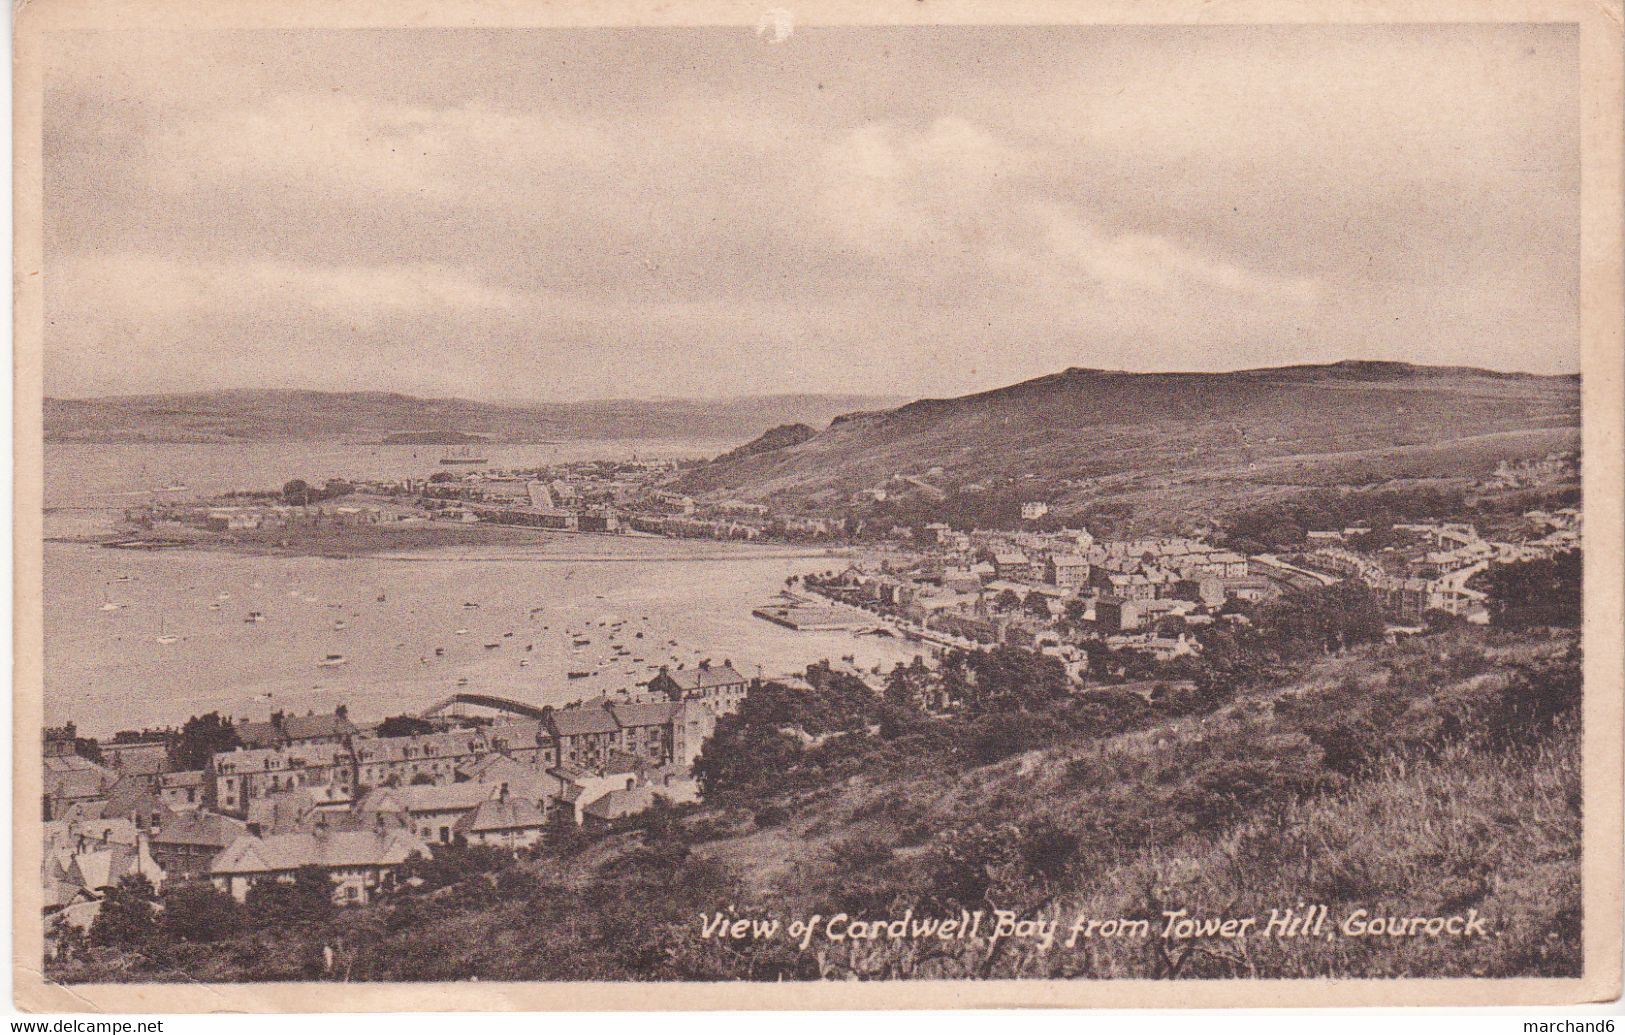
(584, 214)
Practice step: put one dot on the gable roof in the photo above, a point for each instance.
(618, 803)
(502, 814)
(294, 727)
(283, 852)
(199, 828)
(575, 722)
(448, 797)
(281, 813)
(702, 676)
(658, 714)
(279, 759)
(452, 744)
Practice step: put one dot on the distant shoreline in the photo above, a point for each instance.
(437, 545)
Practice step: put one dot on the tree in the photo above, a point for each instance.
(296, 492)
(126, 919)
(202, 737)
(1036, 605)
(1073, 615)
(1328, 618)
(1007, 600)
(196, 911)
(1536, 593)
(277, 903)
(405, 726)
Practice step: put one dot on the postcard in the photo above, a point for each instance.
(613, 505)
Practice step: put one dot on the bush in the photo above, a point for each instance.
(998, 736)
(196, 911)
(772, 816)
(127, 918)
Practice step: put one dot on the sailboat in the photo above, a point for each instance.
(107, 602)
(164, 635)
(463, 456)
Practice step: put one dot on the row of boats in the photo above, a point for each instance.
(607, 627)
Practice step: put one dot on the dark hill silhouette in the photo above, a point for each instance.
(260, 416)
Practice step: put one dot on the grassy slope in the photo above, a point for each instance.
(1437, 826)
(1138, 435)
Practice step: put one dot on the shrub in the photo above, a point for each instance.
(772, 816)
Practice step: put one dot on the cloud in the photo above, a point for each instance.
(699, 211)
(155, 288)
(375, 151)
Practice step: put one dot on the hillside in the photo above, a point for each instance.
(1082, 436)
(262, 416)
(781, 437)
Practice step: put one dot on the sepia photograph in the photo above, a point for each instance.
(796, 501)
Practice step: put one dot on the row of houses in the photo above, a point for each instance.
(658, 732)
(317, 790)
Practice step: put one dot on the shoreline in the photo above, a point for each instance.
(442, 554)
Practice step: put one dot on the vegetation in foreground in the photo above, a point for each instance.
(1429, 777)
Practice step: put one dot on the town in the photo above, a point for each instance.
(236, 802)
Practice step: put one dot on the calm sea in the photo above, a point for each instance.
(412, 629)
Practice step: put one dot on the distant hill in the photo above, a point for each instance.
(262, 416)
(1080, 437)
(781, 437)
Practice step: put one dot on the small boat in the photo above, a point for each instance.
(108, 605)
(524, 662)
(440, 652)
(507, 635)
(492, 646)
(222, 596)
(214, 607)
(382, 598)
(462, 680)
(341, 624)
(254, 616)
(579, 675)
(581, 643)
(332, 661)
(469, 605)
(459, 632)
